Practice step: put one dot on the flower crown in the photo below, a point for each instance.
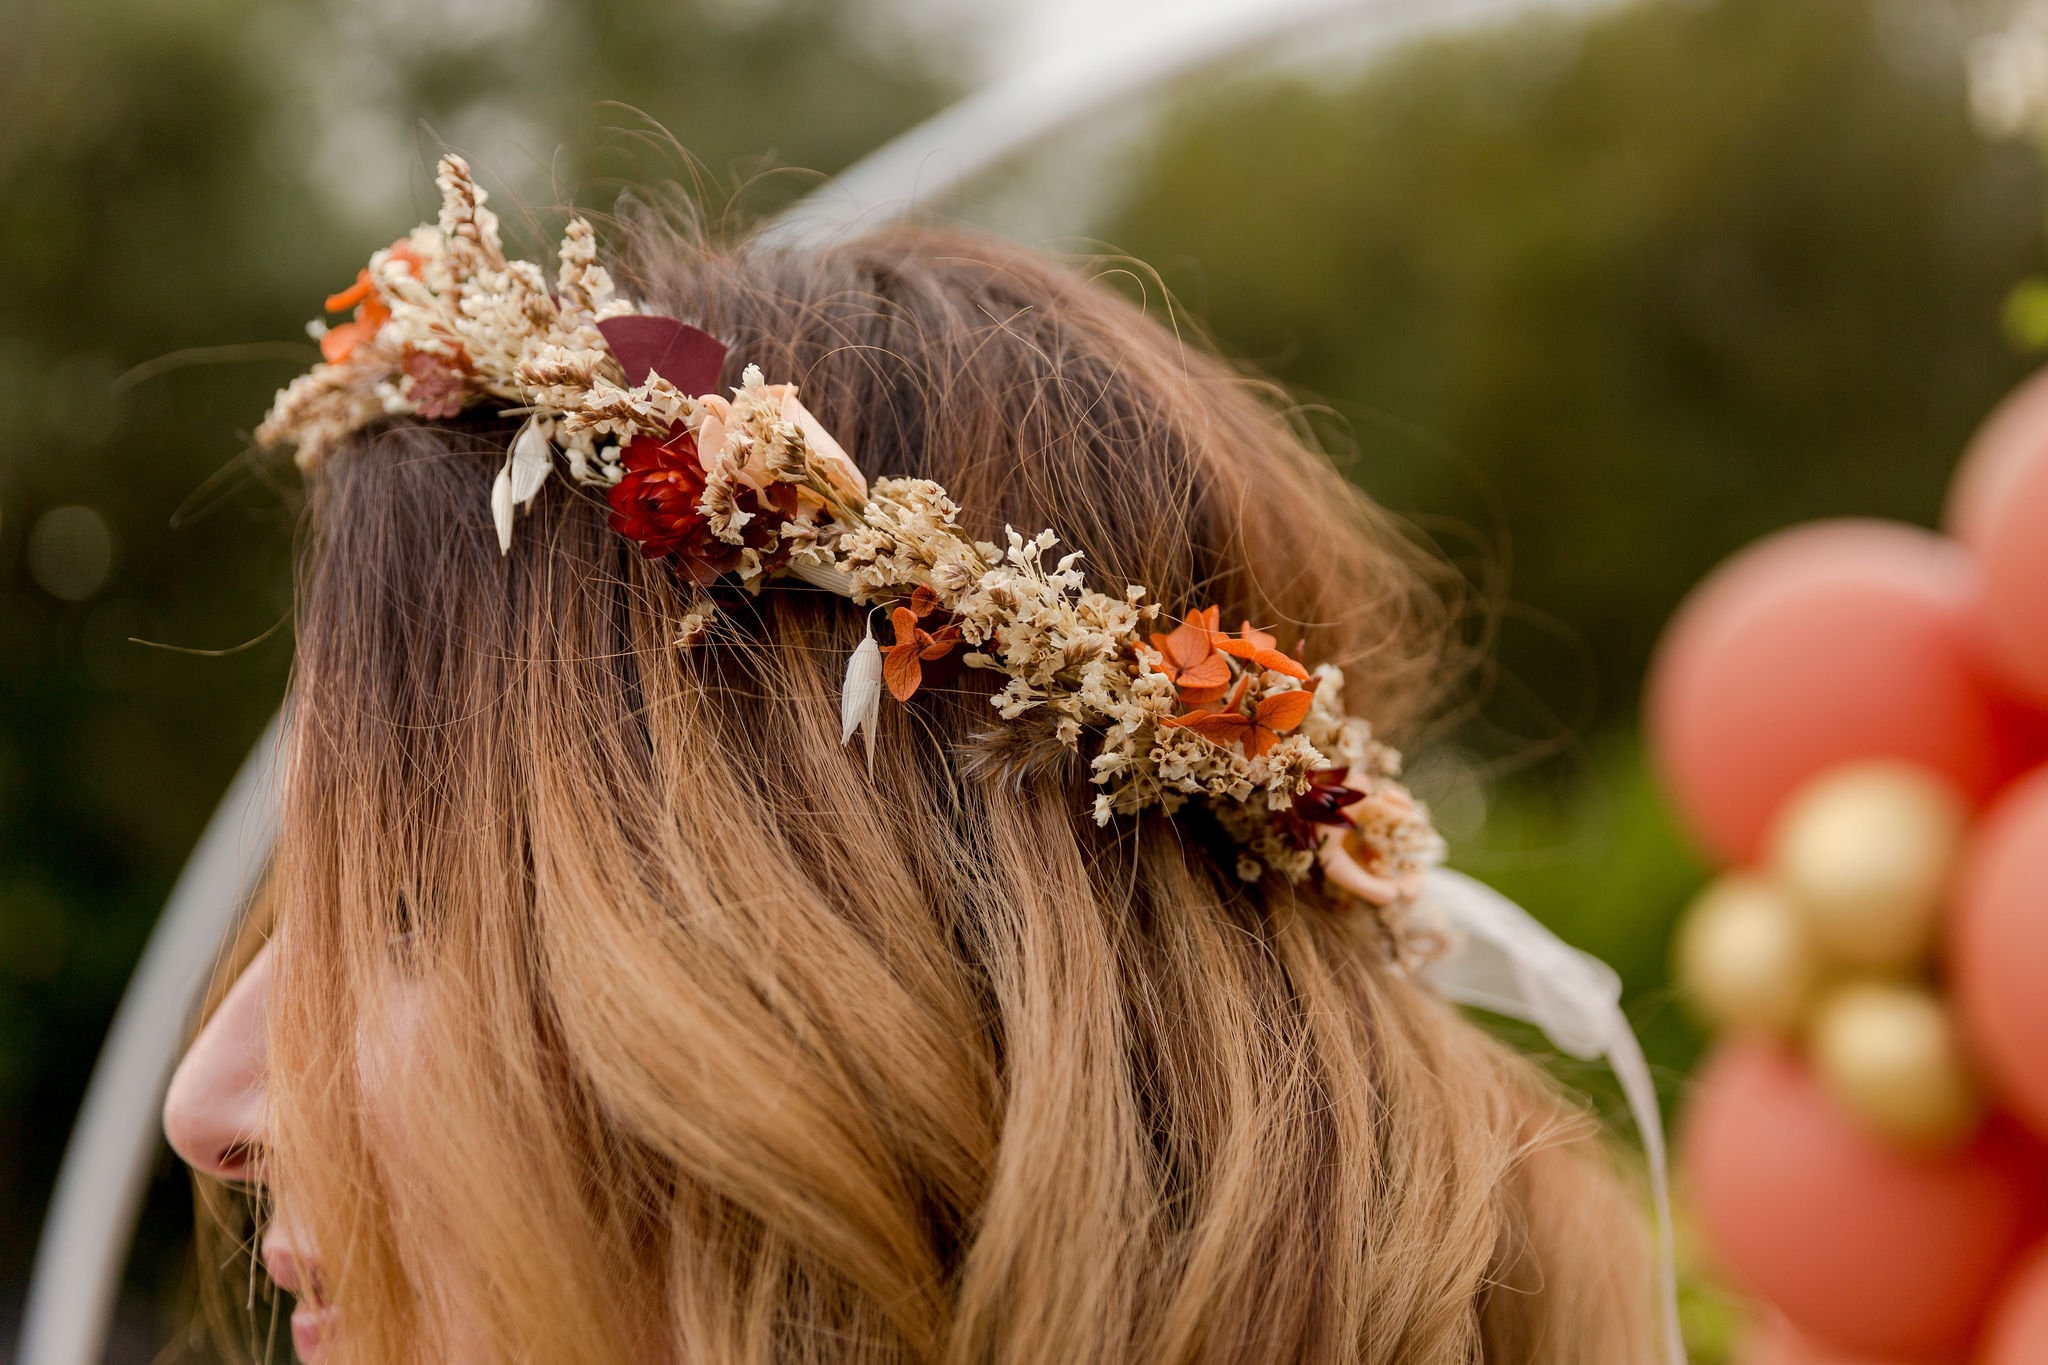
(749, 489)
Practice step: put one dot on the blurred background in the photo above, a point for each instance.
(1593, 299)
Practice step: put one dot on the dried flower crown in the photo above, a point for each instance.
(751, 488)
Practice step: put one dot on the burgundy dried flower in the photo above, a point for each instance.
(438, 385)
(1322, 804)
(655, 503)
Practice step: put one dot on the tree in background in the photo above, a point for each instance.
(1616, 296)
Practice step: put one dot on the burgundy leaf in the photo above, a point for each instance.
(685, 356)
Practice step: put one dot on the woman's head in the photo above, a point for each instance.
(614, 1010)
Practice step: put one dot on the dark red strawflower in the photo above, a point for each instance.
(655, 504)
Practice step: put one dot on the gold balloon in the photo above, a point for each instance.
(1865, 852)
(1890, 1055)
(1744, 960)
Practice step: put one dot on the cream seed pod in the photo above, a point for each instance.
(1890, 1055)
(1744, 960)
(1865, 853)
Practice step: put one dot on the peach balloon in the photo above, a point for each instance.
(1998, 946)
(1827, 643)
(1744, 959)
(2018, 1331)
(1865, 852)
(1998, 506)
(1889, 1053)
(1778, 1344)
(1857, 1242)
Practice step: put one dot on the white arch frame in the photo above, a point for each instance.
(116, 1140)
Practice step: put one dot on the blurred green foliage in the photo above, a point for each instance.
(1595, 304)
(1601, 302)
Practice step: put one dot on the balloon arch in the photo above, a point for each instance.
(1852, 718)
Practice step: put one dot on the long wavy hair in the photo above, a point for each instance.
(621, 1014)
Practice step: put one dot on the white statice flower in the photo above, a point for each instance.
(1109, 765)
(1016, 697)
(697, 622)
(583, 288)
(1283, 770)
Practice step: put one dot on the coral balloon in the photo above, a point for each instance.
(1778, 1344)
(2018, 1332)
(1831, 642)
(1998, 506)
(2022, 736)
(1998, 946)
(1857, 1242)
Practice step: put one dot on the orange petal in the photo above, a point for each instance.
(905, 622)
(901, 670)
(337, 342)
(1207, 619)
(1283, 711)
(351, 296)
(1264, 656)
(1201, 696)
(1252, 635)
(1280, 663)
(1218, 727)
(1257, 740)
(1213, 671)
(923, 601)
(1189, 645)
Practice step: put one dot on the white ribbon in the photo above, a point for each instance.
(1513, 966)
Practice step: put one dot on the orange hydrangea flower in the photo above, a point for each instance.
(1256, 647)
(340, 340)
(1257, 731)
(903, 662)
(1188, 657)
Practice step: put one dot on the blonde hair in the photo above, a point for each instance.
(717, 1048)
